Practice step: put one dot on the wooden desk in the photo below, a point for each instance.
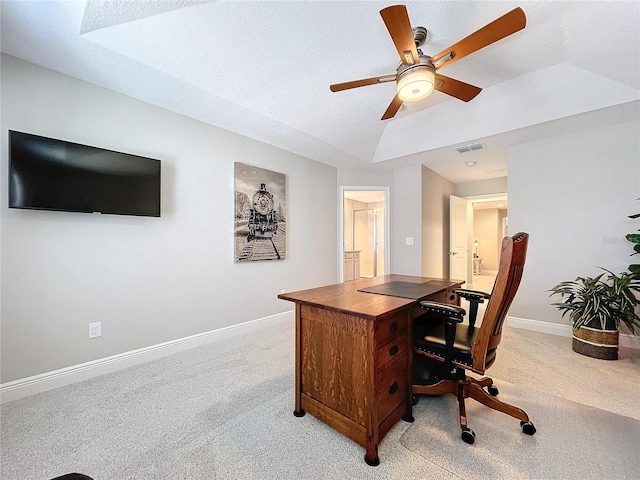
(354, 356)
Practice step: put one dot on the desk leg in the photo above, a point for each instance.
(372, 425)
(372, 453)
(371, 444)
(408, 403)
(298, 412)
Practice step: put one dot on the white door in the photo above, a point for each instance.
(458, 238)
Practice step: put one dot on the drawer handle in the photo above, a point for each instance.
(393, 388)
(393, 327)
(452, 297)
(393, 350)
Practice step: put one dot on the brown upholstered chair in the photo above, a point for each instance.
(445, 348)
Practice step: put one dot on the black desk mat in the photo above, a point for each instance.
(408, 289)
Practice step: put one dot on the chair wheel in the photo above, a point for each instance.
(493, 390)
(468, 436)
(414, 400)
(528, 428)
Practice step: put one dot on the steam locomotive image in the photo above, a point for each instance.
(263, 219)
(260, 214)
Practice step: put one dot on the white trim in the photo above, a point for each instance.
(625, 340)
(538, 326)
(65, 376)
(24, 387)
(487, 197)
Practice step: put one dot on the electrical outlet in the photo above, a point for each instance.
(409, 241)
(95, 329)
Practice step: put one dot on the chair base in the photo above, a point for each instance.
(466, 387)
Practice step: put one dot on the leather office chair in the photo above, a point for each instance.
(444, 347)
(73, 476)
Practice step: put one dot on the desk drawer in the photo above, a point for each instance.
(390, 327)
(391, 387)
(446, 297)
(393, 349)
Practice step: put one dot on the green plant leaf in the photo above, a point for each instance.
(633, 237)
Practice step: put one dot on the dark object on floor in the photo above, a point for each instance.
(73, 476)
(444, 347)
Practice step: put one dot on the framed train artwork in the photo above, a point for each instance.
(260, 214)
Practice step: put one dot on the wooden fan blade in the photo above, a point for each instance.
(337, 87)
(393, 108)
(456, 88)
(504, 26)
(397, 21)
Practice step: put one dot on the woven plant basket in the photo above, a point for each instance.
(596, 343)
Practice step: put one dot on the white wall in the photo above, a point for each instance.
(572, 193)
(436, 191)
(419, 206)
(481, 187)
(148, 280)
(406, 220)
(363, 178)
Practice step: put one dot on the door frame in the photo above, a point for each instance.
(387, 230)
(489, 197)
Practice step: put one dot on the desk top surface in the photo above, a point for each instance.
(346, 297)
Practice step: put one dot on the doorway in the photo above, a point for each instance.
(364, 232)
(482, 222)
(368, 226)
(489, 227)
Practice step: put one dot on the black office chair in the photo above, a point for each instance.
(444, 347)
(73, 476)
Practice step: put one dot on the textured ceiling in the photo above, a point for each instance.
(263, 69)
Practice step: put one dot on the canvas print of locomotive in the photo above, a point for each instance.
(260, 218)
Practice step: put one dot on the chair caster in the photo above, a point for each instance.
(528, 428)
(493, 390)
(414, 400)
(468, 436)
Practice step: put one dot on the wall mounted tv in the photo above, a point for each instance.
(50, 174)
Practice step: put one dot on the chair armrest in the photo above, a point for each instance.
(472, 295)
(453, 315)
(450, 311)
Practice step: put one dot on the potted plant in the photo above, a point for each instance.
(635, 239)
(596, 306)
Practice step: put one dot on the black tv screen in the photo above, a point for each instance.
(50, 174)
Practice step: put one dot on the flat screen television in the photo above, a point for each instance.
(50, 174)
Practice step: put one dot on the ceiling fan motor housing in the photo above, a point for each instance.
(419, 35)
(416, 81)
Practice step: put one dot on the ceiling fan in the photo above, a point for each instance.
(416, 75)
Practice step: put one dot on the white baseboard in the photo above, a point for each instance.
(65, 376)
(625, 340)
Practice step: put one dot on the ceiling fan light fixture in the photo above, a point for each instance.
(416, 83)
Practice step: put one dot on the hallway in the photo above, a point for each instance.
(483, 282)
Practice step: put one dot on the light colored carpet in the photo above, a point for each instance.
(219, 412)
(225, 411)
(566, 445)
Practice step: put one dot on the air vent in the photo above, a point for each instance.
(470, 147)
